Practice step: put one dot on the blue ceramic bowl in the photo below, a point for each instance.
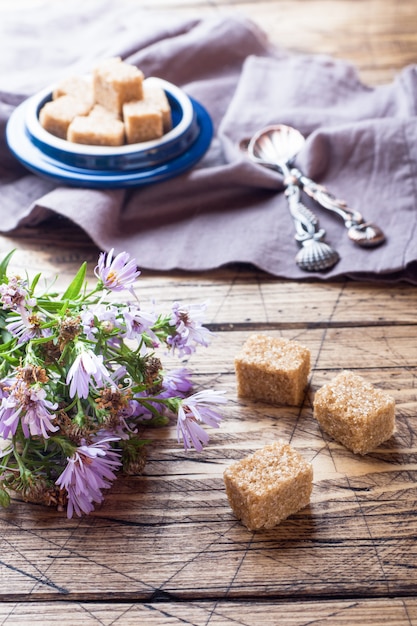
(123, 158)
(36, 157)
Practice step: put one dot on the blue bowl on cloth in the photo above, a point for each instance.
(111, 166)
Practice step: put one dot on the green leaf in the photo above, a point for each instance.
(157, 421)
(6, 337)
(4, 498)
(35, 282)
(75, 287)
(4, 265)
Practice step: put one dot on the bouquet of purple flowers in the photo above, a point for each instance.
(80, 377)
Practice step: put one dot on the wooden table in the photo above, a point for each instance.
(165, 547)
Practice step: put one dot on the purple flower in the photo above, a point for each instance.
(5, 385)
(177, 382)
(194, 409)
(188, 329)
(87, 366)
(139, 322)
(10, 410)
(27, 327)
(117, 273)
(97, 315)
(14, 294)
(89, 470)
(136, 409)
(29, 405)
(37, 419)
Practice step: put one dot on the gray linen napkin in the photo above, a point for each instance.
(361, 143)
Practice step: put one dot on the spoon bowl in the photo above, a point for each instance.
(276, 145)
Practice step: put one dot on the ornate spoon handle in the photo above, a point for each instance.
(365, 234)
(315, 254)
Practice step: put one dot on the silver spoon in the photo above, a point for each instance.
(364, 234)
(315, 254)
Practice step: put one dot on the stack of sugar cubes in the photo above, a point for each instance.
(117, 105)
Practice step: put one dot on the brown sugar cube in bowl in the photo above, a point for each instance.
(79, 87)
(56, 115)
(99, 111)
(154, 94)
(143, 121)
(96, 131)
(268, 486)
(272, 370)
(115, 83)
(354, 412)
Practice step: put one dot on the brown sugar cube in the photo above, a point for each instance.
(79, 87)
(272, 370)
(354, 412)
(99, 111)
(266, 487)
(155, 94)
(143, 121)
(56, 115)
(115, 83)
(96, 131)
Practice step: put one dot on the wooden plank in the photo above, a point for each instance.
(376, 349)
(278, 302)
(392, 612)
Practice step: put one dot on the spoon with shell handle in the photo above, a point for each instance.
(363, 233)
(314, 254)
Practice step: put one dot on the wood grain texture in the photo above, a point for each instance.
(393, 612)
(165, 548)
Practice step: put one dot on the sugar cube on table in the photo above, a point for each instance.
(354, 412)
(273, 370)
(269, 485)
